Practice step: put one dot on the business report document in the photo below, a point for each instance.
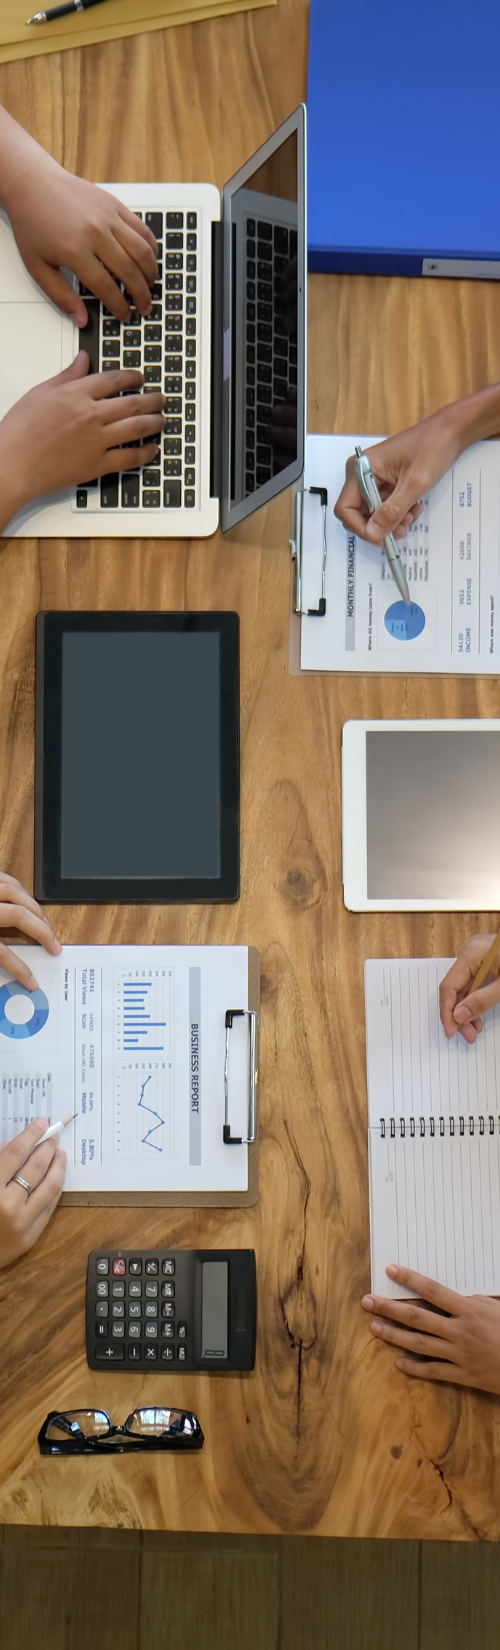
(434, 1134)
(451, 557)
(132, 1039)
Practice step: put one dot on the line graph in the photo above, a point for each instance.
(143, 1110)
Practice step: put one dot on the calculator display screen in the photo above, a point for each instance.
(433, 811)
(214, 1300)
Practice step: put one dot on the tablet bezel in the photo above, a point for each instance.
(354, 834)
(49, 884)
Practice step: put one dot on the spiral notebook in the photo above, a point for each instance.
(434, 1134)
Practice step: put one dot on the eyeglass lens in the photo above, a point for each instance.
(79, 1423)
(151, 1423)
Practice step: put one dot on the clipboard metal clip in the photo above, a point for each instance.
(296, 549)
(253, 1076)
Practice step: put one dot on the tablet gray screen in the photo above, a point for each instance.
(433, 816)
(140, 755)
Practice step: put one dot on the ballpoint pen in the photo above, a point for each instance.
(368, 487)
(62, 11)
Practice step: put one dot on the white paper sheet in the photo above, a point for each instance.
(434, 1134)
(452, 562)
(132, 1038)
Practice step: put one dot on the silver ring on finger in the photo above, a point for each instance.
(24, 1183)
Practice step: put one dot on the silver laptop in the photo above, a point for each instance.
(226, 342)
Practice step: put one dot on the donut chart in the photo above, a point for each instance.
(38, 1019)
(404, 623)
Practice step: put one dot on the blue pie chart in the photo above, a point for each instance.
(404, 623)
(36, 999)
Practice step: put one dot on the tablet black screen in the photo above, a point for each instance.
(140, 754)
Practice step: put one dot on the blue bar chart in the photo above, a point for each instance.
(143, 1011)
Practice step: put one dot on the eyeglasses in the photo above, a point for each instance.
(90, 1431)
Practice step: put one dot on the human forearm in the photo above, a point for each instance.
(18, 153)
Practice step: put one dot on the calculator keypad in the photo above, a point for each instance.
(138, 1324)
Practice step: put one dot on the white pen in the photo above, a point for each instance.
(55, 1128)
(368, 487)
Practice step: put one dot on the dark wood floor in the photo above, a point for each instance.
(121, 1590)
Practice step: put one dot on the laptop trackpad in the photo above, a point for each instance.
(31, 349)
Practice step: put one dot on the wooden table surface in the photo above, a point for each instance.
(325, 1437)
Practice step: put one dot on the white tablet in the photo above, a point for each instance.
(421, 815)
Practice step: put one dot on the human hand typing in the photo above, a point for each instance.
(24, 1214)
(61, 220)
(460, 1337)
(460, 1008)
(73, 428)
(18, 909)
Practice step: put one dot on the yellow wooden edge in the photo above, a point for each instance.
(76, 34)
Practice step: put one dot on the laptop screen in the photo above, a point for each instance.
(264, 324)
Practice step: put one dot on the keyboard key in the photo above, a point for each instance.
(151, 1354)
(173, 426)
(251, 375)
(151, 501)
(118, 1331)
(173, 283)
(280, 389)
(152, 334)
(151, 478)
(173, 386)
(131, 358)
(249, 483)
(152, 375)
(109, 366)
(264, 312)
(263, 455)
(191, 242)
(250, 418)
(102, 1309)
(134, 1309)
(281, 347)
(151, 1290)
(264, 396)
(189, 455)
(168, 1290)
(250, 441)
(262, 477)
(190, 283)
(191, 326)
(152, 352)
(118, 1291)
(132, 338)
(181, 1354)
(191, 220)
(134, 1331)
(251, 249)
(135, 1268)
(174, 243)
(189, 499)
(102, 1330)
(130, 492)
(173, 405)
(135, 1291)
(102, 1266)
(171, 501)
(263, 272)
(175, 220)
(191, 263)
(189, 478)
(168, 1309)
(250, 396)
(172, 446)
(109, 501)
(280, 264)
(168, 1268)
(250, 312)
(134, 1353)
(191, 369)
(102, 1291)
(264, 375)
(110, 1354)
(173, 260)
(264, 334)
(173, 323)
(172, 467)
(292, 355)
(190, 432)
(292, 376)
(173, 363)
(281, 240)
(81, 498)
(110, 347)
(265, 231)
(250, 462)
(168, 1331)
(190, 306)
(151, 1331)
(167, 1353)
(111, 329)
(264, 352)
(154, 222)
(118, 1309)
(264, 255)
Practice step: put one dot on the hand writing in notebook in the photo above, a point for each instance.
(461, 1009)
(461, 1337)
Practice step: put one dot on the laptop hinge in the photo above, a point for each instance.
(216, 365)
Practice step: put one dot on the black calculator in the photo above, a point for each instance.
(193, 1309)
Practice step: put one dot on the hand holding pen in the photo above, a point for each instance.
(369, 490)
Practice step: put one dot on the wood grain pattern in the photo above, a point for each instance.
(325, 1437)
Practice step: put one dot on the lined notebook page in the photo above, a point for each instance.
(434, 1133)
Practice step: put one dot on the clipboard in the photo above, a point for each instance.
(213, 1200)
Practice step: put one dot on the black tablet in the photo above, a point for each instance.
(137, 757)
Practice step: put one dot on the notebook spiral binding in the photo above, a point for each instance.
(455, 1125)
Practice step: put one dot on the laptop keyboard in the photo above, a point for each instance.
(164, 347)
(271, 348)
